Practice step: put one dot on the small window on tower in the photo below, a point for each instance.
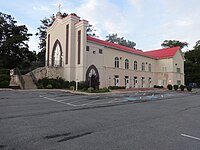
(94, 52)
(87, 48)
(100, 51)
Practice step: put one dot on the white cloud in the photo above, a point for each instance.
(148, 23)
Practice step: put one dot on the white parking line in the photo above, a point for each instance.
(91, 103)
(58, 101)
(192, 137)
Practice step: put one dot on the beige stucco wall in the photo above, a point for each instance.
(105, 65)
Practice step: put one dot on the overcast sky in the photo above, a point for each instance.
(146, 22)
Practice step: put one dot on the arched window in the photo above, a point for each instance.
(149, 67)
(116, 62)
(135, 65)
(143, 66)
(126, 64)
(57, 55)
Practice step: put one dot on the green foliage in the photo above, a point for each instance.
(91, 89)
(182, 87)
(157, 86)
(4, 84)
(66, 84)
(104, 89)
(113, 38)
(169, 87)
(13, 42)
(192, 65)
(49, 86)
(42, 34)
(91, 31)
(72, 88)
(4, 77)
(174, 43)
(55, 83)
(72, 83)
(116, 87)
(189, 88)
(175, 87)
(5, 71)
(83, 85)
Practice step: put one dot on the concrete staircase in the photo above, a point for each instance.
(29, 84)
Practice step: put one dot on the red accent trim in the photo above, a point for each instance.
(67, 43)
(156, 54)
(79, 46)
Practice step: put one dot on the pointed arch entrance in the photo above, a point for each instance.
(57, 54)
(92, 77)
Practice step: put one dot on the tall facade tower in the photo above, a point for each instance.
(66, 40)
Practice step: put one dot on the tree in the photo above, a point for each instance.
(42, 34)
(13, 42)
(113, 38)
(91, 31)
(192, 64)
(174, 43)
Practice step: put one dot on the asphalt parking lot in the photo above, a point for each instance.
(61, 120)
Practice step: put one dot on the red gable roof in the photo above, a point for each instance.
(106, 43)
(163, 53)
(158, 54)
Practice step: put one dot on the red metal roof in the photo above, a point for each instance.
(158, 54)
(163, 53)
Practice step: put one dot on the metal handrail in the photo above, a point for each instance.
(21, 79)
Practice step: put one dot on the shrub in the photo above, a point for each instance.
(157, 86)
(175, 87)
(4, 84)
(169, 87)
(91, 89)
(116, 87)
(56, 83)
(189, 88)
(5, 71)
(66, 84)
(84, 89)
(83, 85)
(72, 83)
(4, 77)
(182, 87)
(103, 90)
(72, 88)
(49, 86)
(44, 82)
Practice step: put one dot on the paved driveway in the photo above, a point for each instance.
(59, 120)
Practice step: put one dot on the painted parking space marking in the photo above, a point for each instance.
(80, 101)
(57, 101)
(85, 100)
(191, 137)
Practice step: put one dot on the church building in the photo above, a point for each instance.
(74, 56)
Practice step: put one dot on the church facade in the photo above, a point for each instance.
(74, 56)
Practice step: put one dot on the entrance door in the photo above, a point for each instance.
(116, 80)
(127, 82)
(135, 84)
(149, 82)
(143, 82)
